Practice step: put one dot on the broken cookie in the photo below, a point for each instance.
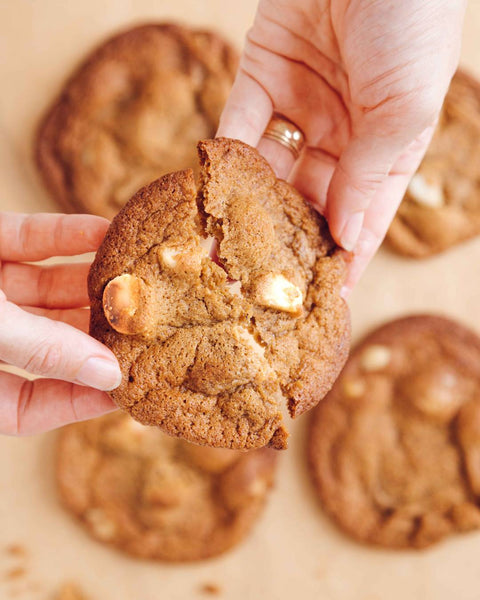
(394, 447)
(204, 358)
(158, 497)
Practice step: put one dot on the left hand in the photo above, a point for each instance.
(43, 325)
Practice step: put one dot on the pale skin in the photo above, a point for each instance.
(363, 79)
(43, 325)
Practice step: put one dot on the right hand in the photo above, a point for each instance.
(365, 81)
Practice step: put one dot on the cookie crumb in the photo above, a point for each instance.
(70, 591)
(212, 589)
(16, 550)
(15, 573)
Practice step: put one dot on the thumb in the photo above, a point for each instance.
(54, 349)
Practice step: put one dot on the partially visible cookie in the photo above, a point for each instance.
(394, 448)
(442, 204)
(203, 359)
(158, 497)
(131, 112)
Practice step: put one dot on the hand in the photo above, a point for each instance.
(365, 81)
(41, 316)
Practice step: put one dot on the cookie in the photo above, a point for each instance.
(205, 358)
(442, 204)
(394, 448)
(158, 497)
(133, 111)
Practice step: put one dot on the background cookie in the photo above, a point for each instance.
(442, 203)
(133, 110)
(158, 497)
(199, 358)
(394, 448)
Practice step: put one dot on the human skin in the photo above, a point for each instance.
(43, 325)
(365, 81)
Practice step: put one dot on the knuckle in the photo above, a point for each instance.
(25, 233)
(44, 284)
(45, 360)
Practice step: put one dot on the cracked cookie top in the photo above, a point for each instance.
(442, 204)
(133, 111)
(211, 352)
(158, 497)
(394, 447)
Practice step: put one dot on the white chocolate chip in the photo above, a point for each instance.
(121, 302)
(279, 293)
(168, 256)
(426, 192)
(187, 259)
(437, 392)
(102, 526)
(354, 388)
(375, 357)
(208, 244)
(235, 288)
(242, 334)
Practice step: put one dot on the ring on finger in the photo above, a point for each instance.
(286, 133)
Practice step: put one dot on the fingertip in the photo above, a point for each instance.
(100, 373)
(95, 230)
(362, 254)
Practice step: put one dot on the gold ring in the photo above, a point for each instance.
(286, 133)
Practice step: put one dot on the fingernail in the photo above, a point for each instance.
(99, 373)
(351, 231)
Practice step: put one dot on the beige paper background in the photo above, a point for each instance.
(294, 552)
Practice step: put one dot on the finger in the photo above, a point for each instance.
(377, 220)
(382, 209)
(280, 158)
(362, 170)
(29, 407)
(57, 286)
(40, 236)
(311, 176)
(247, 111)
(76, 317)
(300, 93)
(54, 349)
